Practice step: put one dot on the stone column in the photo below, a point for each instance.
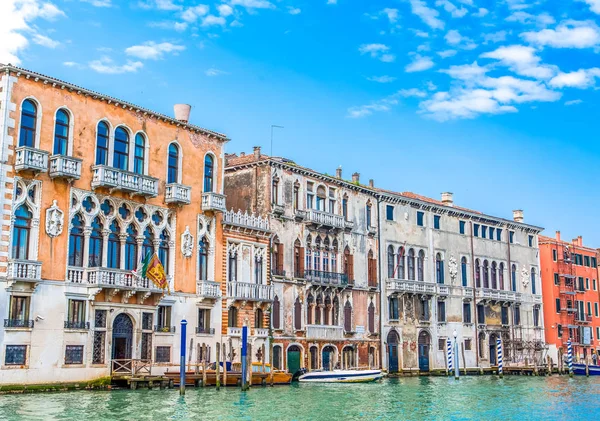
(87, 232)
(122, 239)
(105, 234)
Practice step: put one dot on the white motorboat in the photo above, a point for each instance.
(341, 376)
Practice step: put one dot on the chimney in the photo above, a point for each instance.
(257, 152)
(557, 235)
(580, 241)
(338, 172)
(356, 177)
(371, 183)
(242, 153)
(182, 112)
(448, 199)
(518, 215)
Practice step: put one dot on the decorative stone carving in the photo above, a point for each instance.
(55, 220)
(453, 268)
(525, 277)
(187, 243)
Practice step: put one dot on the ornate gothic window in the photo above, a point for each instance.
(411, 264)
(114, 247)
(121, 149)
(76, 241)
(95, 244)
(439, 268)
(297, 314)
(390, 258)
(131, 248)
(139, 154)
(61, 133)
(209, 168)
(102, 139)
(173, 164)
(21, 233)
(486, 274)
(148, 243)
(400, 269)
(163, 250)
(464, 271)
(203, 259)
(421, 266)
(27, 133)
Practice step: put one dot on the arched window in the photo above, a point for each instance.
(310, 302)
(327, 310)
(232, 316)
(61, 133)
(501, 276)
(482, 345)
(173, 164)
(131, 248)
(275, 313)
(258, 269)
(334, 251)
(464, 271)
(297, 314)
(232, 264)
(486, 274)
(494, 275)
(95, 244)
(76, 242)
(348, 265)
(394, 308)
(477, 273)
(318, 309)
(371, 317)
(348, 317)
(321, 198)
(163, 250)
(513, 276)
(209, 168)
(533, 286)
(336, 311)
(277, 258)
(102, 138)
(121, 151)
(390, 258)
(21, 232)
(411, 264)
(28, 123)
(401, 274)
(439, 269)
(139, 154)
(203, 259)
(421, 266)
(298, 260)
(148, 244)
(258, 319)
(114, 247)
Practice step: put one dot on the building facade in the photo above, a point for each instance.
(323, 257)
(90, 185)
(453, 273)
(571, 296)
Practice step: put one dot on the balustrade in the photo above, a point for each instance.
(178, 193)
(114, 178)
(31, 159)
(213, 202)
(62, 166)
(249, 291)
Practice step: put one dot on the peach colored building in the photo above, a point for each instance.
(571, 296)
(91, 184)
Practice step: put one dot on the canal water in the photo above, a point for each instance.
(436, 398)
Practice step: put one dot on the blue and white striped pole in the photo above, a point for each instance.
(500, 363)
(449, 355)
(570, 357)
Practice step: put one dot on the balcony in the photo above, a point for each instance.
(24, 270)
(300, 215)
(260, 332)
(414, 287)
(31, 159)
(77, 325)
(205, 330)
(208, 289)
(348, 225)
(584, 318)
(110, 278)
(278, 209)
(18, 323)
(324, 332)
(234, 331)
(66, 167)
(325, 219)
(178, 194)
(213, 202)
(164, 329)
(371, 230)
(486, 294)
(326, 278)
(278, 272)
(117, 179)
(247, 291)
(245, 220)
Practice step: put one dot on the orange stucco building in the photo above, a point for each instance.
(571, 296)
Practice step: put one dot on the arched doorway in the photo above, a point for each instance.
(493, 349)
(348, 358)
(122, 342)
(424, 345)
(393, 340)
(294, 354)
(314, 358)
(328, 358)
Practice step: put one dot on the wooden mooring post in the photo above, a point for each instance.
(224, 365)
(218, 366)
(264, 357)
(249, 364)
(271, 362)
(203, 364)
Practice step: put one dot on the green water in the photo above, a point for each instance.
(486, 397)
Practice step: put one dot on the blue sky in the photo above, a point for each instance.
(492, 100)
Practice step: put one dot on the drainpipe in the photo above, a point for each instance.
(381, 287)
(475, 299)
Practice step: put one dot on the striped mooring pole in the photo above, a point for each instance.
(449, 355)
(500, 362)
(570, 357)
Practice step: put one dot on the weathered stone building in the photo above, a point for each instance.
(323, 253)
(448, 269)
(91, 184)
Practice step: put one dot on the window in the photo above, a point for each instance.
(203, 320)
(148, 243)
(533, 281)
(594, 284)
(468, 344)
(513, 276)
(504, 315)
(439, 269)
(131, 248)
(394, 308)
(76, 242)
(163, 250)
(74, 354)
(441, 344)
(492, 231)
(554, 255)
(95, 244)
(424, 315)
(536, 316)
(258, 318)
(102, 144)
(21, 232)
(345, 207)
(173, 164)
(494, 274)
(121, 150)
(464, 271)
(372, 269)
(296, 197)
(298, 314)
(501, 276)
(276, 313)
(18, 312)
(517, 316)
(28, 124)
(586, 261)
(511, 237)
(467, 313)
(476, 230)
(556, 279)
(348, 317)
(530, 240)
(321, 197)
(420, 216)
(277, 357)
(498, 234)
(202, 260)
(436, 222)
(138, 156)
(480, 314)
(371, 317)
(557, 303)
(421, 266)
(368, 215)
(389, 212)
(275, 191)
(559, 330)
(477, 273)
(594, 262)
(76, 315)
(114, 247)
(587, 284)
(61, 133)
(208, 173)
(232, 316)
(391, 258)
(163, 354)
(486, 274)
(589, 308)
(15, 355)
(163, 319)
(483, 231)
(411, 264)
(400, 265)
(258, 270)
(310, 195)
(332, 200)
(461, 227)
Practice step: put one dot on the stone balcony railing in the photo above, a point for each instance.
(62, 166)
(247, 291)
(415, 287)
(214, 202)
(349, 225)
(245, 220)
(109, 278)
(496, 295)
(234, 331)
(324, 332)
(117, 179)
(208, 289)
(24, 270)
(325, 219)
(178, 193)
(326, 278)
(260, 332)
(31, 159)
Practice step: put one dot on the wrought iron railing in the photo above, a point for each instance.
(205, 330)
(164, 329)
(77, 325)
(18, 323)
(326, 278)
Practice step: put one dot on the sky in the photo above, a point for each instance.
(495, 101)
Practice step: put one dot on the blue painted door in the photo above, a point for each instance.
(423, 357)
(326, 360)
(393, 358)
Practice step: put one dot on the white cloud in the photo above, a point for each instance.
(573, 102)
(427, 15)
(225, 10)
(378, 51)
(71, 64)
(191, 14)
(45, 41)
(451, 8)
(382, 79)
(568, 34)
(454, 38)
(392, 14)
(17, 18)
(215, 72)
(253, 4)
(153, 51)
(522, 60)
(421, 34)
(481, 12)
(543, 19)
(167, 24)
(160, 5)
(99, 3)
(582, 79)
(331, 1)
(419, 64)
(466, 71)
(365, 110)
(411, 93)
(107, 66)
(294, 10)
(447, 53)
(594, 5)
(212, 20)
(494, 37)
(519, 4)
